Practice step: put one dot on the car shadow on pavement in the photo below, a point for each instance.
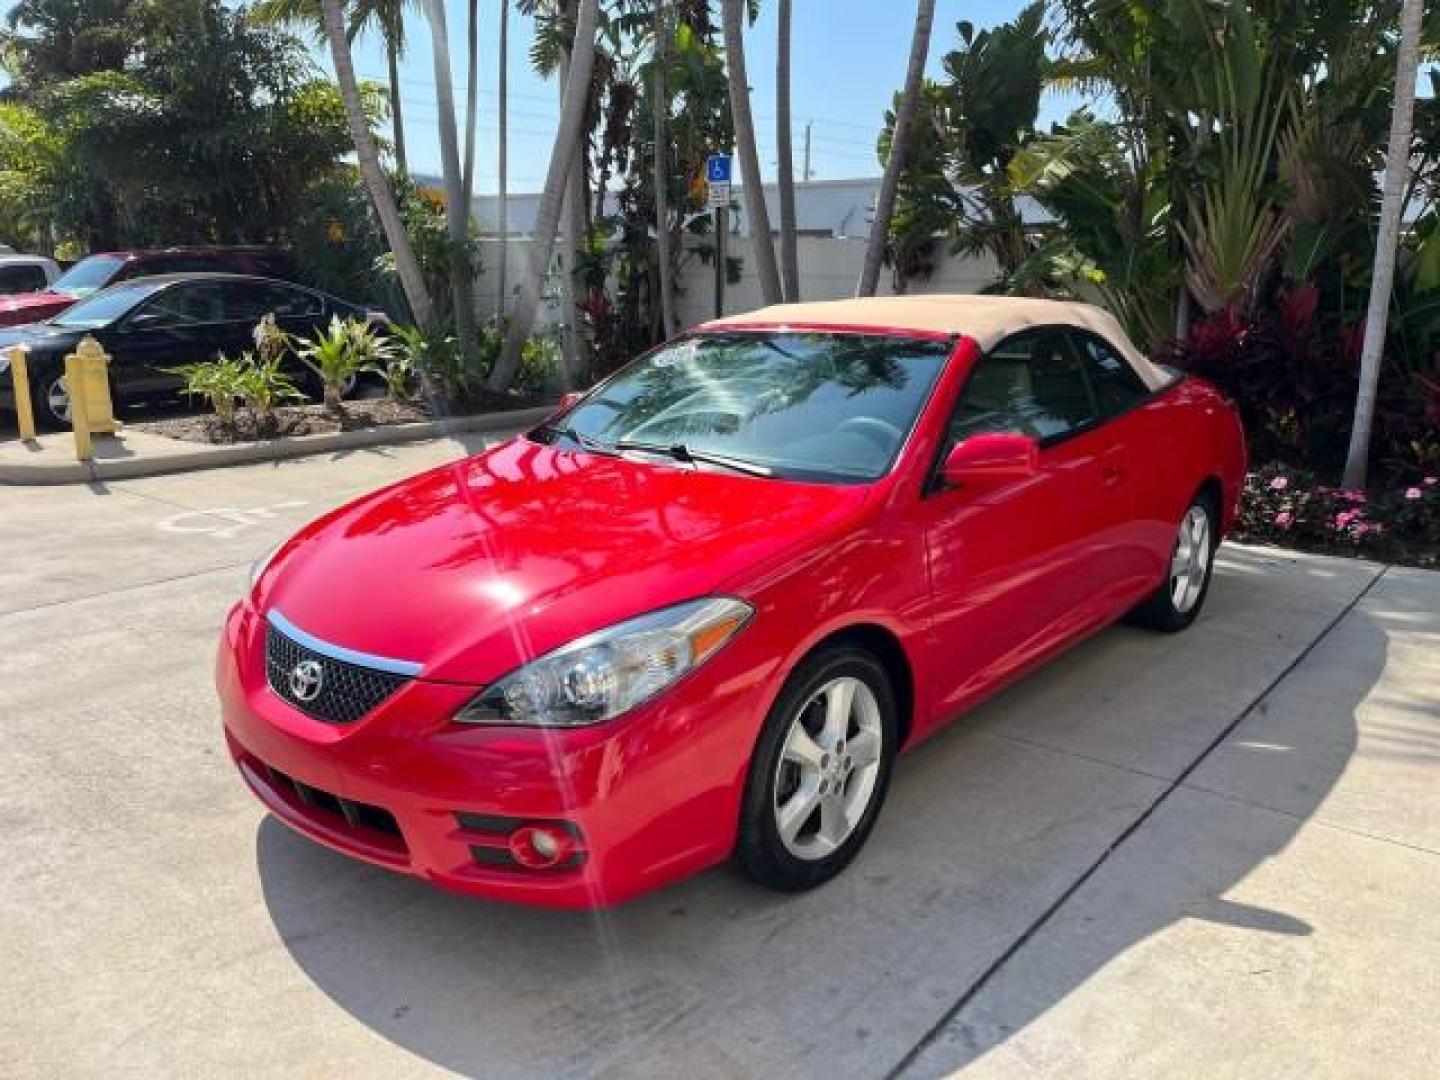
(988, 826)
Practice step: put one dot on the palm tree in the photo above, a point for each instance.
(749, 158)
(457, 206)
(386, 16)
(1397, 168)
(563, 154)
(572, 231)
(472, 94)
(660, 114)
(789, 257)
(502, 154)
(406, 265)
(904, 117)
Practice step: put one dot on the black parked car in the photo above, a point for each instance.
(150, 324)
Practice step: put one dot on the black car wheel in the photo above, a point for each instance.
(49, 396)
(820, 770)
(1177, 602)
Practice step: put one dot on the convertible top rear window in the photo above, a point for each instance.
(829, 407)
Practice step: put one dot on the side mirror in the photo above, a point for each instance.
(991, 459)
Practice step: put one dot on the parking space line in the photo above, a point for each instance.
(968, 994)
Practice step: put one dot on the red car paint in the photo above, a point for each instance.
(21, 309)
(484, 564)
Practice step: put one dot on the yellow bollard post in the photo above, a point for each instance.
(20, 378)
(79, 419)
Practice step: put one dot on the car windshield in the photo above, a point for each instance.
(88, 275)
(105, 307)
(829, 407)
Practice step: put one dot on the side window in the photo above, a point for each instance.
(188, 305)
(1116, 385)
(251, 302)
(20, 279)
(1033, 384)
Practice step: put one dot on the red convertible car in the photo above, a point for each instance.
(699, 612)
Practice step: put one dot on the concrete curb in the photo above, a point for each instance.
(198, 456)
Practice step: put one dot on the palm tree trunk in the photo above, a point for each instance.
(406, 265)
(1397, 168)
(904, 118)
(563, 153)
(502, 159)
(789, 256)
(472, 103)
(397, 116)
(759, 215)
(572, 227)
(660, 109)
(457, 207)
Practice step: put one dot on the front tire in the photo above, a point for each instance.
(820, 771)
(49, 396)
(1177, 602)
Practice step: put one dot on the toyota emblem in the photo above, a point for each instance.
(307, 678)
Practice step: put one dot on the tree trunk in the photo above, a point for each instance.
(660, 109)
(789, 256)
(1397, 168)
(904, 118)
(562, 155)
(572, 227)
(502, 162)
(406, 265)
(457, 207)
(397, 116)
(472, 103)
(759, 216)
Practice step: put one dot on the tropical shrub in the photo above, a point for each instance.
(222, 382)
(337, 355)
(264, 384)
(437, 362)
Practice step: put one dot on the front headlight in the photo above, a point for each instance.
(610, 672)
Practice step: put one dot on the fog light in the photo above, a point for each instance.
(539, 847)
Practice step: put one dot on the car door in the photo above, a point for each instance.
(1140, 437)
(1019, 569)
(176, 326)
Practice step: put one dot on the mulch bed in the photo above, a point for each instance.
(293, 420)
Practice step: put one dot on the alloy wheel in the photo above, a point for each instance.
(829, 764)
(57, 399)
(1190, 565)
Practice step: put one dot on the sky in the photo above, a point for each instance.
(848, 58)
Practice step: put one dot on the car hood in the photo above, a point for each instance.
(30, 306)
(474, 568)
(38, 335)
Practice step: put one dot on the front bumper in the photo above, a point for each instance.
(648, 798)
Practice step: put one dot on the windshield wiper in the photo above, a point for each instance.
(585, 442)
(681, 452)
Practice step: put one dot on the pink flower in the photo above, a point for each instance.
(1280, 483)
(1344, 518)
(1284, 519)
(1431, 481)
(1413, 493)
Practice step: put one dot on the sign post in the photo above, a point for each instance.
(717, 180)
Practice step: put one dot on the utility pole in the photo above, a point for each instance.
(805, 172)
(722, 225)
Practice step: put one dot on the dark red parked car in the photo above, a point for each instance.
(701, 610)
(95, 272)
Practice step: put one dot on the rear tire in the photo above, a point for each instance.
(1177, 602)
(820, 771)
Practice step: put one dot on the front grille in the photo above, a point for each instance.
(347, 691)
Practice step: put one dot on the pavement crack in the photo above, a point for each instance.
(935, 1030)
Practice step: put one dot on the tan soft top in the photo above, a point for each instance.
(986, 319)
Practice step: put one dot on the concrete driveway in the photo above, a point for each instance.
(1218, 852)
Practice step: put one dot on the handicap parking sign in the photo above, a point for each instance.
(717, 169)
